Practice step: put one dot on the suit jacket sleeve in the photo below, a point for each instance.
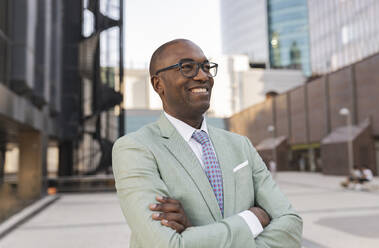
(285, 228)
(138, 182)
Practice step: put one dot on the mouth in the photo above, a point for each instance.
(199, 90)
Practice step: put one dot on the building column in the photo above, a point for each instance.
(66, 158)
(312, 159)
(30, 165)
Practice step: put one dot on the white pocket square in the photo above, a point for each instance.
(240, 166)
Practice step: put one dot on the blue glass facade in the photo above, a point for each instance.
(289, 34)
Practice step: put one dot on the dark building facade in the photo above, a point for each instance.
(60, 92)
(310, 118)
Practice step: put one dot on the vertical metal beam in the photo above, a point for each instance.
(8, 55)
(96, 65)
(267, 33)
(121, 120)
(66, 158)
(70, 88)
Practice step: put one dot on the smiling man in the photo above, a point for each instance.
(182, 183)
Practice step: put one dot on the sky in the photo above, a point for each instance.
(150, 23)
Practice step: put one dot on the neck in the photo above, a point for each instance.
(193, 121)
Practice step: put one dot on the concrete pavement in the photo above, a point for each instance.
(333, 217)
(75, 220)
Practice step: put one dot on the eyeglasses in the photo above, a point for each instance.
(190, 69)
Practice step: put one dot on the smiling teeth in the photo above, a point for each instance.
(199, 90)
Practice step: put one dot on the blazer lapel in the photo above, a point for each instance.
(226, 163)
(179, 148)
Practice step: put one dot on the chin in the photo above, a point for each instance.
(203, 108)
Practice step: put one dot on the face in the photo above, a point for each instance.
(183, 98)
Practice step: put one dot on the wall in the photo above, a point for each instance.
(310, 112)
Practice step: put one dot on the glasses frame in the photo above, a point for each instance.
(198, 66)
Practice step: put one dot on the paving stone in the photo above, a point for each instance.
(333, 217)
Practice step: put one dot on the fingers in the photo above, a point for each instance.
(165, 199)
(166, 205)
(170, 213)
(179, 218)
(173, 225)
(172, 220)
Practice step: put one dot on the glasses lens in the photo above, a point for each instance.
(210, 68)
(188, 68)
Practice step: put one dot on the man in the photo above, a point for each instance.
(182, 183)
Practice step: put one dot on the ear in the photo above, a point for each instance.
(157, 84)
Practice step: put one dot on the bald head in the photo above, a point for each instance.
(161, 52)
(185, 98)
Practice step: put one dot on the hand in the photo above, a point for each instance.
(262, 216)
(171, 213)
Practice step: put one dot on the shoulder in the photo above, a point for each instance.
(225, 133)
(228, 136)
(141, 137)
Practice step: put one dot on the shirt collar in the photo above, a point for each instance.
(184, 129)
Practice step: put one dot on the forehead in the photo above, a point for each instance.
(181, 50)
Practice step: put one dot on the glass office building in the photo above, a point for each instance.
(57, 88)
(342, 32)
(30, 99)
(244, 29)
(289, 35)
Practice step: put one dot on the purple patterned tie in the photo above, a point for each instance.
(212, 167)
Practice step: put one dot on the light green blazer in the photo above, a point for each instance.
(156, 160)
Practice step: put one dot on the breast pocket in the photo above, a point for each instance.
(244, 186)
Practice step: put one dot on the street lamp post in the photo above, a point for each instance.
(272, 163)
(346, 112)
(271, 130)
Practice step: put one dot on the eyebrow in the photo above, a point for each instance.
(189, 59)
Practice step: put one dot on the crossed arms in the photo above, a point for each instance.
(171, 214)
(138, 183)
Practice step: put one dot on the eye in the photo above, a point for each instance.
(206, 67)
(188, 66)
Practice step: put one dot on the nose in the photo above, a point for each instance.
(201, 75)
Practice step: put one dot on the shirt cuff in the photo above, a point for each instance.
(252, 221)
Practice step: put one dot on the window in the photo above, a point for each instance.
(88, 24)
(110, 8)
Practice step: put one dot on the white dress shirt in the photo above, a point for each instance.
(186, 132)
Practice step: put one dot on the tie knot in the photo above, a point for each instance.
(200, 136)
